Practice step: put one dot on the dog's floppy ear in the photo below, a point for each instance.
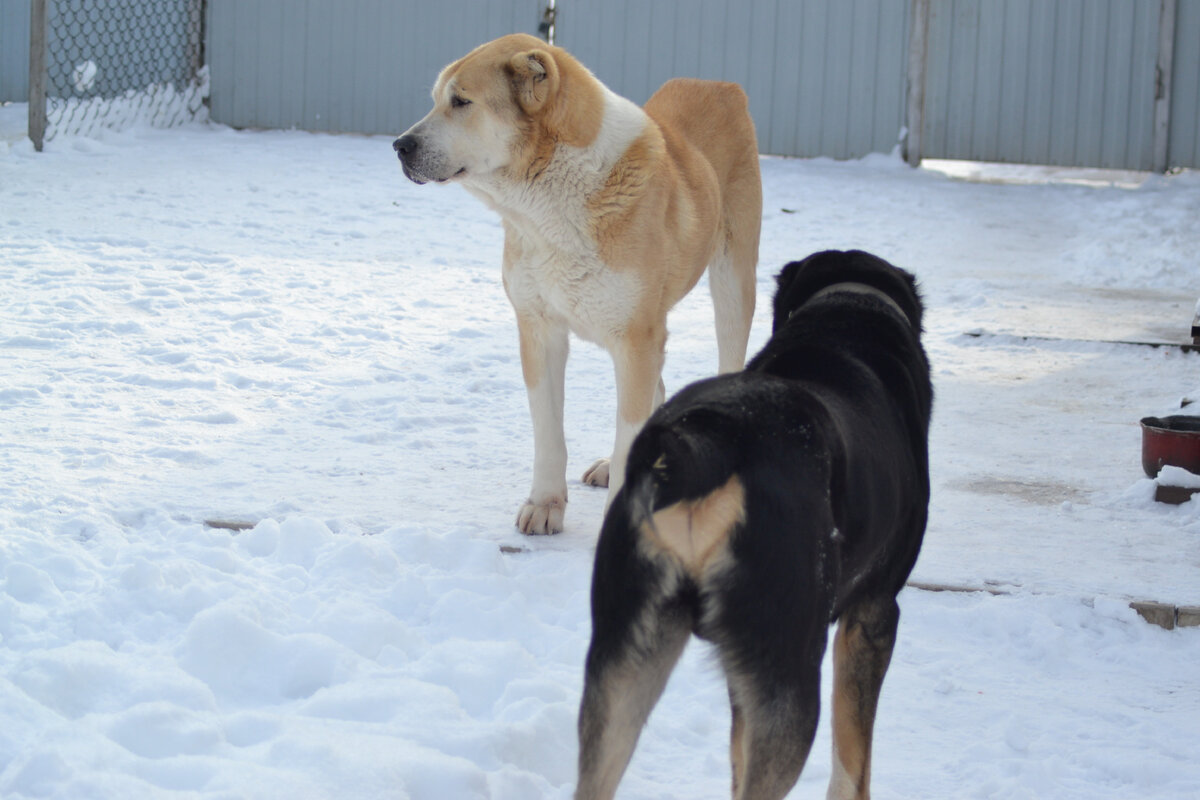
(789, 293)
(535, 79)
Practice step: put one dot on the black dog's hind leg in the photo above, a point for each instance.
(862, 650)
(641, 622)
(737, 732)
(619, 693)
(773, 729)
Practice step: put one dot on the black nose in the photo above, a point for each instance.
(406, 145)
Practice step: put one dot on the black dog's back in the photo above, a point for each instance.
(861, 354)
(836, 405)
(758, 508)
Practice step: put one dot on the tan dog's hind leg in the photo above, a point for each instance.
(731, 275)
(862, 650)
(638, 362)
(733, 312)
(544, 346)
(597, 473)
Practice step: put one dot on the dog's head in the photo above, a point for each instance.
(495, 108)
(800, 281)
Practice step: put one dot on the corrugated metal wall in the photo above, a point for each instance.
(363, 66)
(276, 63)
(14, 51)
(1184, 142)
(1069, 82)
(1066, 82)
(824, 78)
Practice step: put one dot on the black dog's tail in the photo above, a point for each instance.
(677, 459)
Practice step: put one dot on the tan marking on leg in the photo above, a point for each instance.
(737, 746)
(840, 784)
(694, 532)
(617, 703)
(862, 650)
(610, 726)
(851, 752)
(774, 735)
(732, 282)
(638, 360)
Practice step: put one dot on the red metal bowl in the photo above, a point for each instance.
(1170, 441)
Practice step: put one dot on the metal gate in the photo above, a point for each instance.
(1096, 83)
(108, 63)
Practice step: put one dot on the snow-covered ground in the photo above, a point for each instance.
(276, 328)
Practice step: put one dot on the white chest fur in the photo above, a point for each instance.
(552, 265)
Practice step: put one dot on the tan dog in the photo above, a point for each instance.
(611, 214)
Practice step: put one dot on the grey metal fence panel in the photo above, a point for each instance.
(1184, 142)
(361, 66)
(14, 51)
(824, 79)
(1067, 82)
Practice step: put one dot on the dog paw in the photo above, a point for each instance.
(537, 519)
(597, 474)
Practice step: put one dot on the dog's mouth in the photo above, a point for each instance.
(420, 178)
(458, 174)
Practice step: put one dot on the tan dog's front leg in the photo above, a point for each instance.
(544, 346)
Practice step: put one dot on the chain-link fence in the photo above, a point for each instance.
(111, 63)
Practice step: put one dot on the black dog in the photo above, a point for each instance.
(758, 508)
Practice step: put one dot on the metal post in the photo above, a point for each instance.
(37, 73)
(549, 22)
(1162, 84)
(918, 51)
(201, 54)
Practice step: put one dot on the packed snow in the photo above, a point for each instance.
(276, 332)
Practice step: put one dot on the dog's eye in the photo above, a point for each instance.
(459, 102)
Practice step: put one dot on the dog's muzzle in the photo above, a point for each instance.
(406, 148)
